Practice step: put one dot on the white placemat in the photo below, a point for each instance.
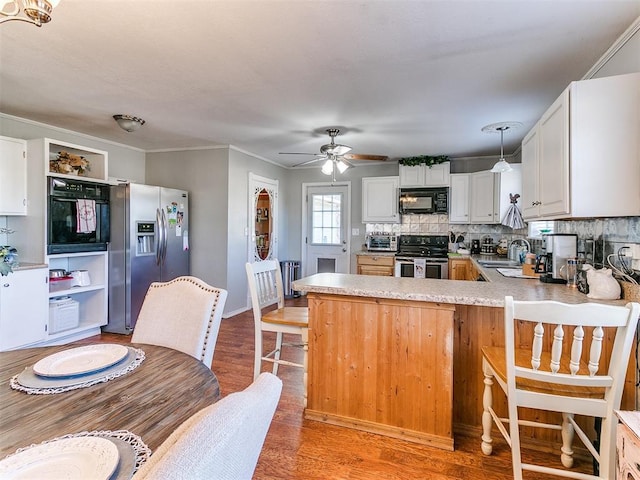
(27, 381)
(132, 450)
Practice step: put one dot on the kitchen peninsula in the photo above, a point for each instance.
(402, 356)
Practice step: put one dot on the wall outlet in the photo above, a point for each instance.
(355, 232)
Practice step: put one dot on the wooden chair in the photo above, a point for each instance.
(265, 288)
(183, 314)
(222, 441)
(553, 375)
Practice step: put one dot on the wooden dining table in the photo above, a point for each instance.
(150, 401)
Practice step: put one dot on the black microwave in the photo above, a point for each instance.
(424, 200)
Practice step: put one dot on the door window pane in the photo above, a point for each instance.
(326, 219)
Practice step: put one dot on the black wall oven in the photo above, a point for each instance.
(77, 216)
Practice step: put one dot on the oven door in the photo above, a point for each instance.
(404, 267)
(422, 268)
(63, 230)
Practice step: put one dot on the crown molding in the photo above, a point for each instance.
(613, 49)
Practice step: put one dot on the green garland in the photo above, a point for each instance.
(423, 159)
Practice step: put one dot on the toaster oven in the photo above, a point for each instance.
(382, 242)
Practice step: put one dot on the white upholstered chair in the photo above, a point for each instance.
(222, 441)
(183, 314)
(265, 288)
(560, 373)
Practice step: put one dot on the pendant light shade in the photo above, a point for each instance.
(501, 165)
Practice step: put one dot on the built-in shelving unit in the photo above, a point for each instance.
(31, 233)
(92, 299)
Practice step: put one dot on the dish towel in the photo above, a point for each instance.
(86, 217)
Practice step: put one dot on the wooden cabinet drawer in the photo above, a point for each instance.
(376, 265)
(384, 261)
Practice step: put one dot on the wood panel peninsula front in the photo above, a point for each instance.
(402, 356)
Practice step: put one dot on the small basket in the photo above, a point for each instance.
(630, 291)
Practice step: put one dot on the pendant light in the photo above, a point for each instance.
(501, 165)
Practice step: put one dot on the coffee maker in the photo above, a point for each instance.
(558, 247)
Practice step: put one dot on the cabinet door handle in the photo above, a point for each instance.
(6, 285)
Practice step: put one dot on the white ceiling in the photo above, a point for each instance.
(399, 78)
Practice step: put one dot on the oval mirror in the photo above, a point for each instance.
(263, 224)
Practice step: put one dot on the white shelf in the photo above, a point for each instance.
(92, 299)
(97, 160)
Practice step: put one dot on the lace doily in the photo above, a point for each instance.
(108, 375)
(142, 452)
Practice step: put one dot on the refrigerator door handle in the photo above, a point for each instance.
(159, 236)
(165, 234)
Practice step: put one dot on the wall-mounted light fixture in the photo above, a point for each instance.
(30, 11)
(128, 122)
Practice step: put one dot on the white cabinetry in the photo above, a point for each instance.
(92, 299)
(30, 237)
(483, 197)
(425, 176)
(23, 308)
(459, 198)
(582, 159)
(13, 165)
(380, 200)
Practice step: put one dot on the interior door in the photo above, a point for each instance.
(327, 222)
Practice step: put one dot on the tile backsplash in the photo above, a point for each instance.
(439, 225)
(598, 237)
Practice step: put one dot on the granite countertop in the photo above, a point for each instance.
(376, 254)
(490, 293)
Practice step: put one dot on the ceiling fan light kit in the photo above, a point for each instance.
(129, 122)
(36, 12)
(335, 156)
(501, 165)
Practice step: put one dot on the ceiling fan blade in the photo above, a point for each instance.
(310, 161)
(297, 153)
(362, 156)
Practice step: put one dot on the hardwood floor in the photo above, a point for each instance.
(296, 448)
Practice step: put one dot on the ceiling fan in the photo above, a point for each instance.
(335, 155)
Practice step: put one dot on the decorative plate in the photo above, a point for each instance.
(69, 458)
(81, 360)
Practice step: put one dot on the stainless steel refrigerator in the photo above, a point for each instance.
(149, 243)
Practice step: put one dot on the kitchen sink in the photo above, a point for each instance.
(499, 263)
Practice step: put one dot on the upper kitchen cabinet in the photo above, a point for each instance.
(13, 165)
(582, 158)
(425, 176)
(483, 197)
(459, 198)
(380, 200)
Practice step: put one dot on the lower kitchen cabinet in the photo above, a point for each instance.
(23, 308)
(459, 268)
(462, 269)
(375, 265)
